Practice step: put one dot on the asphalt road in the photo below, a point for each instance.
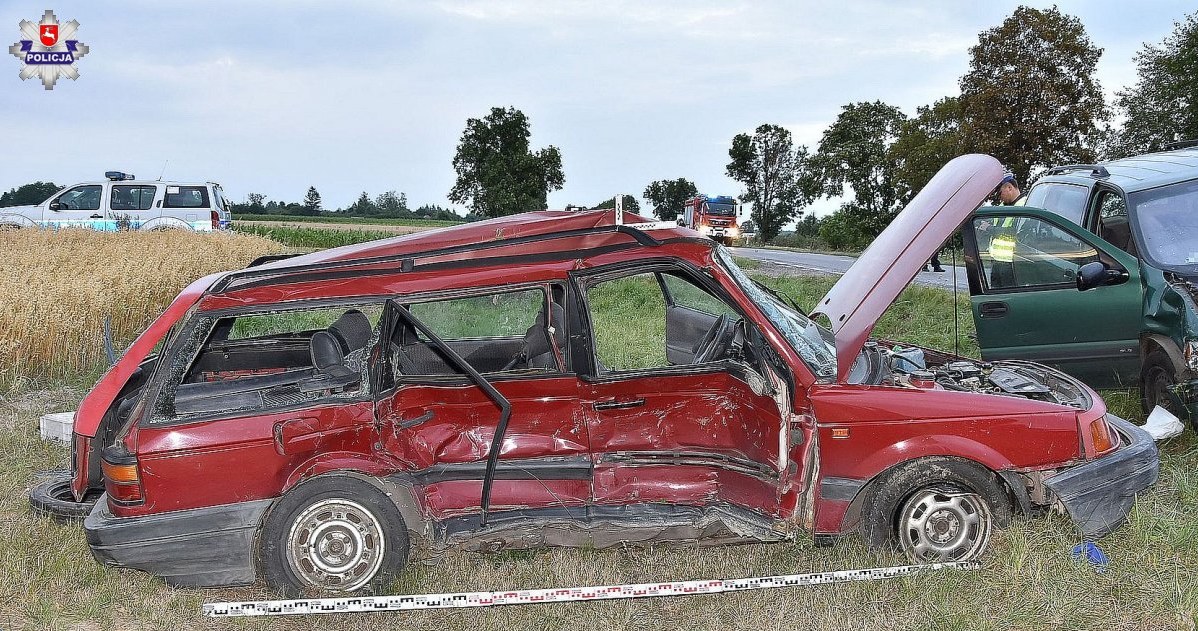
(835, 264)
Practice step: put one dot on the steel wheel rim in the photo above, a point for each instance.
(335, 544)
(939, 525)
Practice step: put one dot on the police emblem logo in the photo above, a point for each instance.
(48, 50)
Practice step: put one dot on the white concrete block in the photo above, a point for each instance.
(57, 427)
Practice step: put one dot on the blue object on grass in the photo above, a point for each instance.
(1090, 553)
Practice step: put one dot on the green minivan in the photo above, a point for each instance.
(1098, 275)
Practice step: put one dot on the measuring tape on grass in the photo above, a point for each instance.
(566, 594)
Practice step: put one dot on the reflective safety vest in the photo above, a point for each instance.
(1002, 245)
(1002, 248)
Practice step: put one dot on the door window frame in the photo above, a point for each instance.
(979, 285)
(406, 300)
(584, 342)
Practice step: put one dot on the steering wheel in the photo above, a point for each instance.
(716, 342)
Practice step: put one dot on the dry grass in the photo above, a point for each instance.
(56, 287)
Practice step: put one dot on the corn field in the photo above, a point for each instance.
(56, 288)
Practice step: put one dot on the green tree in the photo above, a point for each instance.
(363, 207)
(1030, 98)
(29, 194)
(668, 196)
(255, 202)
(630, 203)
(311, 204)
(854, 152)
(497, 174)
(926, 143)
(771, 170)
(392, 204)
(1163, 105)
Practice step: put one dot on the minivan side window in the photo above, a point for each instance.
(1019, 252)
(1066, 200)
(1112, 223)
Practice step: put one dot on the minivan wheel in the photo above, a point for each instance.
(935, 509)
(333, 534)
(1156, 377)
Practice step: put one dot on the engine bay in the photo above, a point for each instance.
(889, 364)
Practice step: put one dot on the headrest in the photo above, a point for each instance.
(354, 329)
(327, 350)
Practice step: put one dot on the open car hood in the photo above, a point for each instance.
(859, 298)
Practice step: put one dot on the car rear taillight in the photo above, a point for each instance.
(122, 480)
(1100, 436)
(215, 220)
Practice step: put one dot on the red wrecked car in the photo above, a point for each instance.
(558, 378)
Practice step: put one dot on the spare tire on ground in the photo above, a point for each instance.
(52, 497)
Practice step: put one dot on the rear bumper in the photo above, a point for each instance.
(1099, 494)
(202, 547)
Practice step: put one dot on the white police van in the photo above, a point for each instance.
(125, 203)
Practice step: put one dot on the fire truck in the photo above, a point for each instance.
(713, 217)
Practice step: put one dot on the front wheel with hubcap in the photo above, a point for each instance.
(944, 525)
(335, 534)
(936, 509)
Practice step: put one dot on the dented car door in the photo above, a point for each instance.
(440, 425)
(703, 433)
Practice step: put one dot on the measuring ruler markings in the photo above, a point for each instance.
(566, 594)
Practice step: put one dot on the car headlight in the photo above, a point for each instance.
(1192, 355)
(733, 232)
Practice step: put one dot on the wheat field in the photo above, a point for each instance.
(56, 288)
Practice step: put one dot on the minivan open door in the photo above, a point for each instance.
(1023, 267)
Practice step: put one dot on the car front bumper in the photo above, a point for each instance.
(202, 547)
(1099, 494)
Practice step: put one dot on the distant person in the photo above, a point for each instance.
(934, 263)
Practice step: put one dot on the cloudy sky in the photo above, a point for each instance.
(274, 97)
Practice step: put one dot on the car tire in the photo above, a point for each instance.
(333, 534)
(935, 509)
(52, 497)
(1156, 375)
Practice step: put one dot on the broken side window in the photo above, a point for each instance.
(271, 359)
(638, 326)
(499, 332)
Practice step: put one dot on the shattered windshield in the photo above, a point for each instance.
(1168, 222)
(814, 344)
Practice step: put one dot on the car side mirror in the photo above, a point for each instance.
(55, 206)
(681, 221)
(1098, 274)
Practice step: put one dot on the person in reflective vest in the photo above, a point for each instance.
(1002, 252)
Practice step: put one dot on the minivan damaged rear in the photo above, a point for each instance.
(308, 420)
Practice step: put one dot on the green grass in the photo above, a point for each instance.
(314, 238)
(376, 221)
(48, 579)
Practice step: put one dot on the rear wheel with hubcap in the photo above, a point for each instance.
(334, 534)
